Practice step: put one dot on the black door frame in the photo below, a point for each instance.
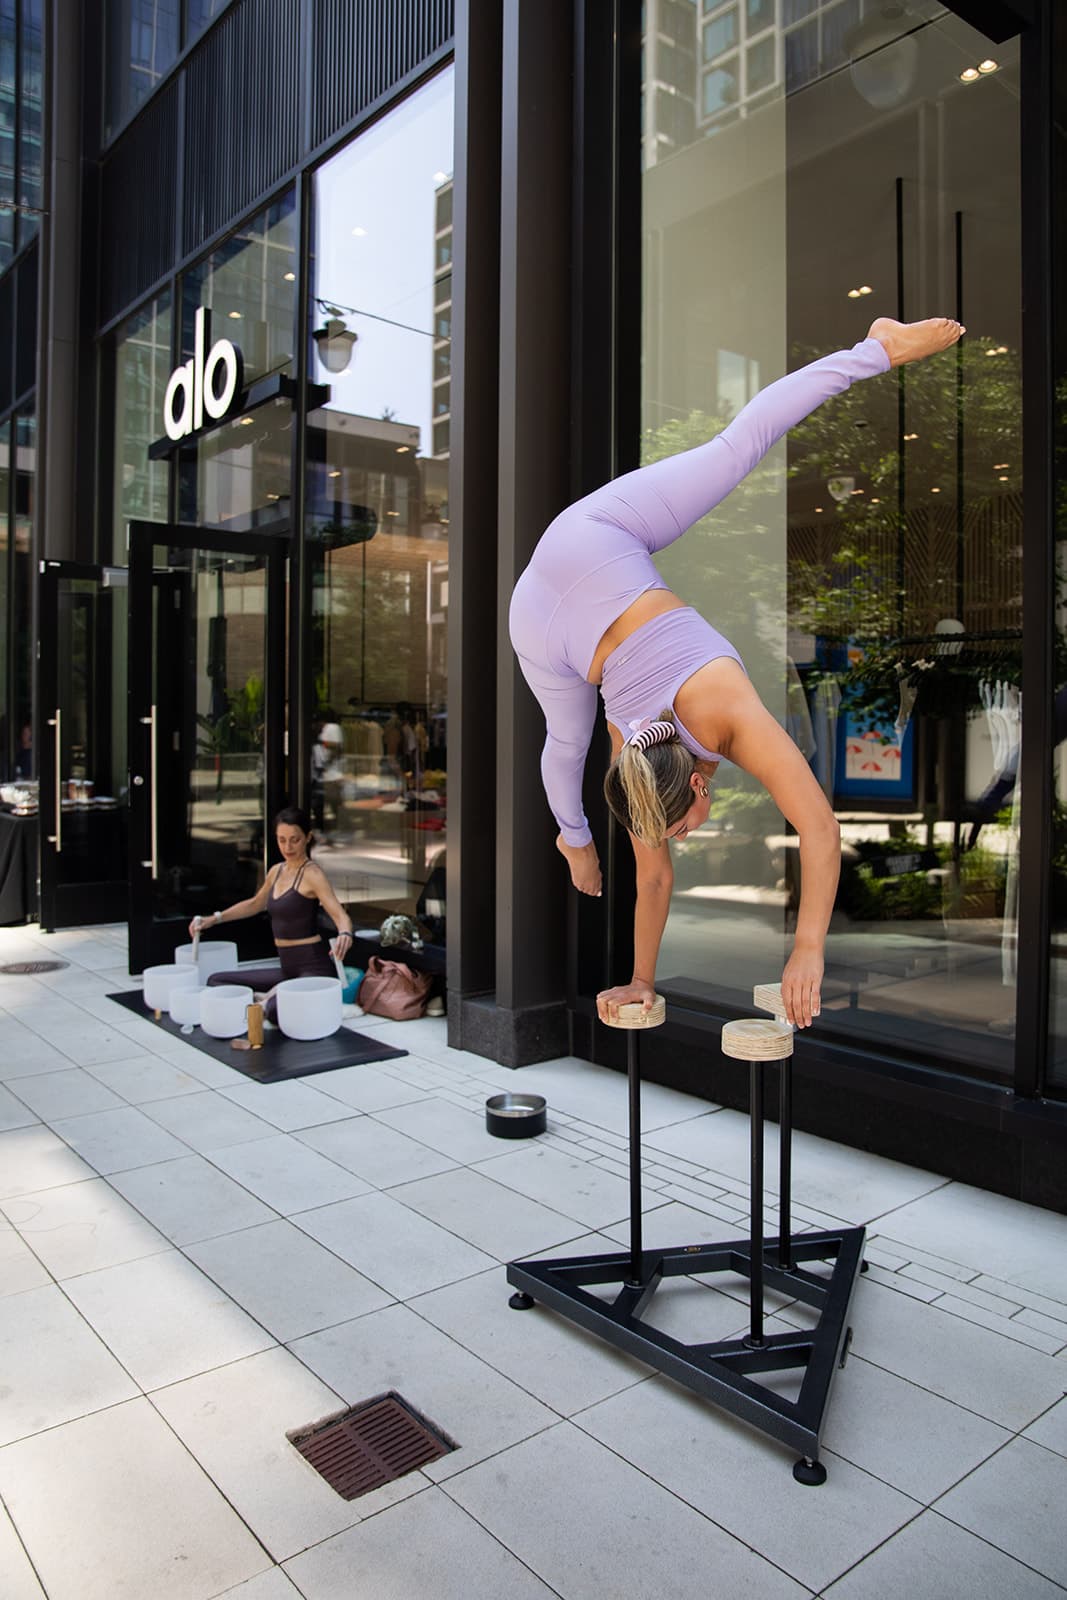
(64, 905)
(149, 941)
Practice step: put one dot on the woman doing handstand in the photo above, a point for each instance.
(592, 610)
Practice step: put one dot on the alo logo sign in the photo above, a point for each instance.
(205, 388)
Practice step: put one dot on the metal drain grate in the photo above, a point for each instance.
(369, 1445)
(28, 969)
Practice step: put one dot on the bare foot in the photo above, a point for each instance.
(584, 864)
(911, 341)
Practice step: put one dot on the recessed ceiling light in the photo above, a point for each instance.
(235, 316)
(911, 436)
(853, 294)
(245, 422)
(865, 288)
(1002, 349)
(335, 474)
(876, 501)
(988, 66)
(439, 177)
(1002, 479)
(992, 352)
(857, 491)
(969, 74)
(359, 233)
(935, 491)
(290, 277)
(392, 513)
(1001, 466)
(818, 508)
(402, 449)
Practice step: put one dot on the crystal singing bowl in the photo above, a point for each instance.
(309, 1008)
(214, 955)
(185, 1003)
(222, 1010)
(157, 983)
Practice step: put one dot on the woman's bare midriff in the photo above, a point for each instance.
(653, 603)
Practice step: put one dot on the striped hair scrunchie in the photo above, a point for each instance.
(649, 731)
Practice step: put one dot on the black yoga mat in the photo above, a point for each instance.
(280, 1058)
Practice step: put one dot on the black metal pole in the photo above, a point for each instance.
(785, 1164)
(633, 1073)
(755, 1281)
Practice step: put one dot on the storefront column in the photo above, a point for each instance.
(524, 1018)
(59, 301)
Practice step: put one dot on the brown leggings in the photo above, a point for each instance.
(294, 961)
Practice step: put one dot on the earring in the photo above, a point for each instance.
(703, 794)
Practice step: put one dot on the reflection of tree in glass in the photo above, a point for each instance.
(238, 731)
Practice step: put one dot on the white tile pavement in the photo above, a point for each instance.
(163, 1326)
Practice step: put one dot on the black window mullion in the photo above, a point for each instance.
(1035, 766)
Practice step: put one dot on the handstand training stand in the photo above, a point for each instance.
(722, 1370)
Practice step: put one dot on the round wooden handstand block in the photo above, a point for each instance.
(635, 1015)
(757, 1039)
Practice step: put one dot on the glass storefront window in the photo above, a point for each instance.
(720, 35)
(238, 475)
(141, 43)
(8, 119)
(869, 570)
(7, 734)
(377, 508)
(720, 89)
(143, 362)
(30, 107)
(198, 13)
(22, 638)
(759, 65)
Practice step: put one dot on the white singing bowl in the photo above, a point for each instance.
(157, 982)
(216, 955)
(187, 978)
(222, 1010)
(185, 1003)
(309, 1008)
(183, 955)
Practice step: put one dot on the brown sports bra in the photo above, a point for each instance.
(292, 915)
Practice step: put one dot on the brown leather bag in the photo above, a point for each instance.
(391, 989)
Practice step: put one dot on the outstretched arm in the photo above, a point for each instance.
(755, 741)
(655, 882)
(242, 909)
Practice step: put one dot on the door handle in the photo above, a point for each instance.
(153, 862)
(56, 838)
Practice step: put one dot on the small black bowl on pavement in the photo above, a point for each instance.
(515, 1116)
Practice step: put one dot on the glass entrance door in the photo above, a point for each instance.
(83, 790)
(206, 734)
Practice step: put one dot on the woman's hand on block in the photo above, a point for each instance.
(802, 986)
(608, 1001)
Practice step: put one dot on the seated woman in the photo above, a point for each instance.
(291, 895)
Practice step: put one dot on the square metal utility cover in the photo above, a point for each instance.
(370, 1444)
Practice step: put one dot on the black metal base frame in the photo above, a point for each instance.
(720, 1371)
(723, 1370)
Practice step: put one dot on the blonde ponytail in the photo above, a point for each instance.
(648, 784)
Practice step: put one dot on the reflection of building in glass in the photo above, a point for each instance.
(442, 319)
(669, 65)
(377, 512)
(707, 64)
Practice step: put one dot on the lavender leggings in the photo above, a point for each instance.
(595, 559)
